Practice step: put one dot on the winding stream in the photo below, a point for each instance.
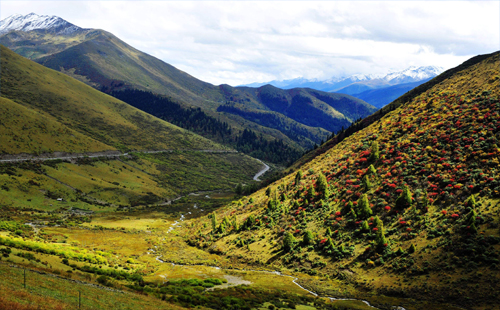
(294, 279)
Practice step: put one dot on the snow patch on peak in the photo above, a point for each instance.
(413, 74)
(34, 21)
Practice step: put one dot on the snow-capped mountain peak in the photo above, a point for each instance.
(362, 77)
(413, 74)
(34, 21)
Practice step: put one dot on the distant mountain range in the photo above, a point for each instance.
(391, 85)
(294, 121)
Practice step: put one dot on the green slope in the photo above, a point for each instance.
(45, 111)
(88, 111)
(103, 61)
(407, 206)
(24, 130)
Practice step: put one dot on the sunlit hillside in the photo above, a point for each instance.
(407, 206)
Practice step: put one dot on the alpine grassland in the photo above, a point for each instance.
(405, 206)
(88, 111)
(90, 190)
(103, 206)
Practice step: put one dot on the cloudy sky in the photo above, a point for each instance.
(237, 42)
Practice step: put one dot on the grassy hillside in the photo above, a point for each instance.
(63, 292)
(407, 206)
(88, 111)
(103, 184)
(25, 130)
(103, 61)
(44, 111)
(449, 76)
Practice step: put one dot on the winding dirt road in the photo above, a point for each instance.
(261, 172)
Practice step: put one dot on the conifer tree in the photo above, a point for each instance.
(214, 221)
(364, 209)
(471, 218)
(404, 200)
(380, 239)
(378, 222)
(471, 221)
(226, 221)
(412, 249)
(322, 186)
(268, 191)
(298, 177)
(311, 194)
(374, 154)
(366, 183)
(471, 201)
(308, 237)
(234, 222)
(250, 221)
(365, 226)
(272, 204)
(222, 228)
(288, 242)
(400, 251)
(328, 232)
(372, 170)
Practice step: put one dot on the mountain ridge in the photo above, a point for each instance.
(335, 84)
(103, 61)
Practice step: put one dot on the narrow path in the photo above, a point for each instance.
(261, 172)
(107, 154)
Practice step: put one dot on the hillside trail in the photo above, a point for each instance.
(261, 172)
(5, 158)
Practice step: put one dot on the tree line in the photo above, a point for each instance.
(196, 120)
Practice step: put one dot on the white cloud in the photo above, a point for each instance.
(239, 42)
